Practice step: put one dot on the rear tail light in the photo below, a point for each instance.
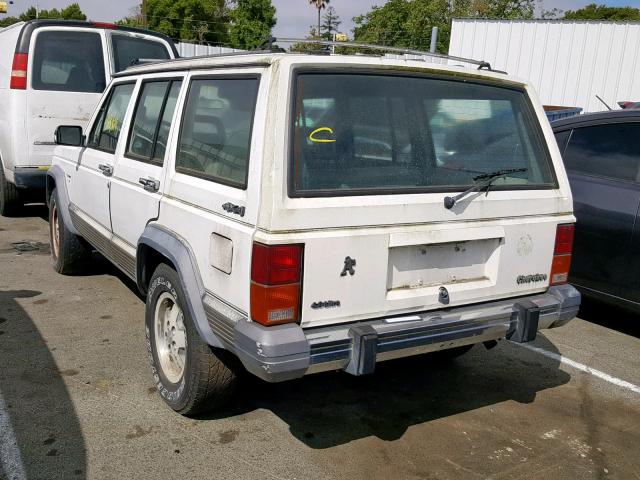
(19, 71)
(562, 254)
(276, 273)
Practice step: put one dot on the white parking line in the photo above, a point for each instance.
(10, 459)
(585, 368)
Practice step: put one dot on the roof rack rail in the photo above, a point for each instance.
(482, 65)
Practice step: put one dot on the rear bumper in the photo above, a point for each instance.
(30, 178)
(289, 351)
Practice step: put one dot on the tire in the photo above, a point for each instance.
(189, 374)
(69, 253)
(9, 196)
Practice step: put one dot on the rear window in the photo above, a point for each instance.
(68, 62)
(128, 49)
(368, 134)
(611, 151)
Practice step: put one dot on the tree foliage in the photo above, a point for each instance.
(330, 23)
(602, 12)
(72, 12)
(237, 23)
(251, 23)
(408, 23)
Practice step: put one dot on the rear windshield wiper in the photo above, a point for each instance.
(488, 178)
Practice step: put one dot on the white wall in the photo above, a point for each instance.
(194, 50)
(567, 62)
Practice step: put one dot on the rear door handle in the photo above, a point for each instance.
(150, 184)
(107, 170)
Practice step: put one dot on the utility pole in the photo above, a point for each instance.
(144, 13)
(37, 11)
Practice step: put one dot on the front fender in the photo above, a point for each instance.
(177, 250)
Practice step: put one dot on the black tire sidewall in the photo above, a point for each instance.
(55, 259)
(177, 394)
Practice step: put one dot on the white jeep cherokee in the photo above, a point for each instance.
(300, 213)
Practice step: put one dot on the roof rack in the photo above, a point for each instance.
(268, 45)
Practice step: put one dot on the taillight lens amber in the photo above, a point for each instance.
(274, 305)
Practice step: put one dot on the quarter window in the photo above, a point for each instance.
(611, 151)
(106, 129)
(152, 120)
(216, 130)
(68, 62)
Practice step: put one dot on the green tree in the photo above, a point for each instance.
(319, 5)
(602, 12)
(188, 20)
(408, 23)
(251, 23)
(71, 12)
(330, 23)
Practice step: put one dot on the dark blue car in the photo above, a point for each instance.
(601, 153)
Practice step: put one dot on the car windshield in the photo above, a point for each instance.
(374, 133)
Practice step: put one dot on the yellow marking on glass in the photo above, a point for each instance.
(321, 140)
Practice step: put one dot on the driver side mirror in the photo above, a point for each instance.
(70, 135)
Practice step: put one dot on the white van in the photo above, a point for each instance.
(54, 72)
(302, 213)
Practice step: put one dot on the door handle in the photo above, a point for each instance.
(150, 184)
(107, 170)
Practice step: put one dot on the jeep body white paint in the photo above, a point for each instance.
(299, 213)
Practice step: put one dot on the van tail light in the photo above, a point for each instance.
(562, 254)
(19, 71)
(276, 289)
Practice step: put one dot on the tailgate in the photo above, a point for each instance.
(352, 276)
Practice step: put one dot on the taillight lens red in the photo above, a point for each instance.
(276, 264)
(562, 254)
(564, 239)
(19, 71)
(276, 272)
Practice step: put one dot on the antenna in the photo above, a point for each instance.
(605, 103)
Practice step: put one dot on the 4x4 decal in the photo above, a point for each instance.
(231, 208)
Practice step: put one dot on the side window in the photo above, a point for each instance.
(611, 151)
(127, 49)
(106, 129)
(215, 137)
(68, 62)
(152, 120)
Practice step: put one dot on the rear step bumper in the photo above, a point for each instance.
(287, 351)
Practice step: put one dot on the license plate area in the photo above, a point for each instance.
(413, 267)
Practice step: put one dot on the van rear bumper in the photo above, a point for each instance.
(288, 351)
(30, 178)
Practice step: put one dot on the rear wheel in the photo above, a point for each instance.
(9, 195)
(189, 374)
(69, 253)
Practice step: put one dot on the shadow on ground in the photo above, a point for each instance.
(41, 435)
(610, 316)
(330, 409)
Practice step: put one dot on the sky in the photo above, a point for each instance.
(294, 16)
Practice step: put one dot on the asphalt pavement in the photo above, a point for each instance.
(77, 400)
